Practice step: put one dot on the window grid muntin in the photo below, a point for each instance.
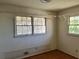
(32, 25)
(73, 24)
(23, 25)
(40, 25)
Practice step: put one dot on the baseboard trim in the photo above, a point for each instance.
(68, 54)
(43, 52)
(34, 54)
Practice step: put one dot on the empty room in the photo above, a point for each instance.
(39, 29)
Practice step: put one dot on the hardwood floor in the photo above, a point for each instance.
(52, 55)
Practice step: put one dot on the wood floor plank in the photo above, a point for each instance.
(52, 55)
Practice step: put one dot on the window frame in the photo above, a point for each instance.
(40, 25)
(15, 27)
(72, 34)
(32, 20)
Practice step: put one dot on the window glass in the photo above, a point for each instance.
(27, 29)
(74, 25)
(39, 21)
(18, 20)
(39, 29)
(27, 25)
(23, 25)
(74, 20)
(39, 25)
(19, 30)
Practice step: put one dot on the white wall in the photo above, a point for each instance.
(8, 43)
(66, 42)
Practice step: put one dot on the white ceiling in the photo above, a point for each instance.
(53, 5)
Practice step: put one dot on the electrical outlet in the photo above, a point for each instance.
(26, 53)
(76, 50)
(36, 48)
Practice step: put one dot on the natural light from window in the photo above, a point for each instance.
(74, 25)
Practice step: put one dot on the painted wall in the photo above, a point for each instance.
(66, 42)
(8, 43)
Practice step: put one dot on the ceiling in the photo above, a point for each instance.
(53, 5)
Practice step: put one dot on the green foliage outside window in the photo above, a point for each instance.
(74, 25)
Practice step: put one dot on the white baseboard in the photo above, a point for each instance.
(29, 55)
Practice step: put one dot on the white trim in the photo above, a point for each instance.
(33, 54)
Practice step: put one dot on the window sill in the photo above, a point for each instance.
(74, 35)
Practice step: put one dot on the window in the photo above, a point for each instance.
(39, 25)
(23, 25)
(29, 25)
(74, 25)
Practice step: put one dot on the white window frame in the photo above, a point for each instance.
(40, 25)
(15, 27)
(73, 34)
(32, 20)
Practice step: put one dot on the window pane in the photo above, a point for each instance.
(26, 20)
(39, 21)
(74, 29)
(19, 30)
(74, 20)
(23, 20)
(27, 29)
(39, 29)
(18, 20)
